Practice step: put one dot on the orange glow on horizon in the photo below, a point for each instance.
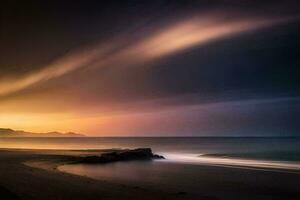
(59, 111)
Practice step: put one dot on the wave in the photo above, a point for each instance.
(224, 160)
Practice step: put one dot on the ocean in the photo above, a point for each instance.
(192, 164)
(258, 148)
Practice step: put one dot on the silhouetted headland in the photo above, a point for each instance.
(7, 132)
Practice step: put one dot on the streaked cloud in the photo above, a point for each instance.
(163, 42)
(187, 71)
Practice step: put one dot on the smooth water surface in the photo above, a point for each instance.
(282, 149)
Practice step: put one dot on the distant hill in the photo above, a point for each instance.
(7, 132)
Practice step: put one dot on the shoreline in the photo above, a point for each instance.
(33, 175)
(70, 156)
(40, 167)
(235, 162)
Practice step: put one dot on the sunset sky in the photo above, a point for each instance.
(151, 68)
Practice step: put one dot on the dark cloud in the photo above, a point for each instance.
(33, 33)
(256, 64)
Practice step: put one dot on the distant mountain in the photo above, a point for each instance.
(7, 132)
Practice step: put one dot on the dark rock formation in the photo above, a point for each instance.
(122, 155)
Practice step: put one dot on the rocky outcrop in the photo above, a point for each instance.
(122, 155)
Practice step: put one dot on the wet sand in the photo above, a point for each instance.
(31, 183)
(32, 174)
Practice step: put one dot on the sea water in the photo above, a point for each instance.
(256, 148)
(193, 165)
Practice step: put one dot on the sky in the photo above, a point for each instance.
(151, 68)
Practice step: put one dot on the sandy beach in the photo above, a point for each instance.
(20, 181)
(32, 174)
